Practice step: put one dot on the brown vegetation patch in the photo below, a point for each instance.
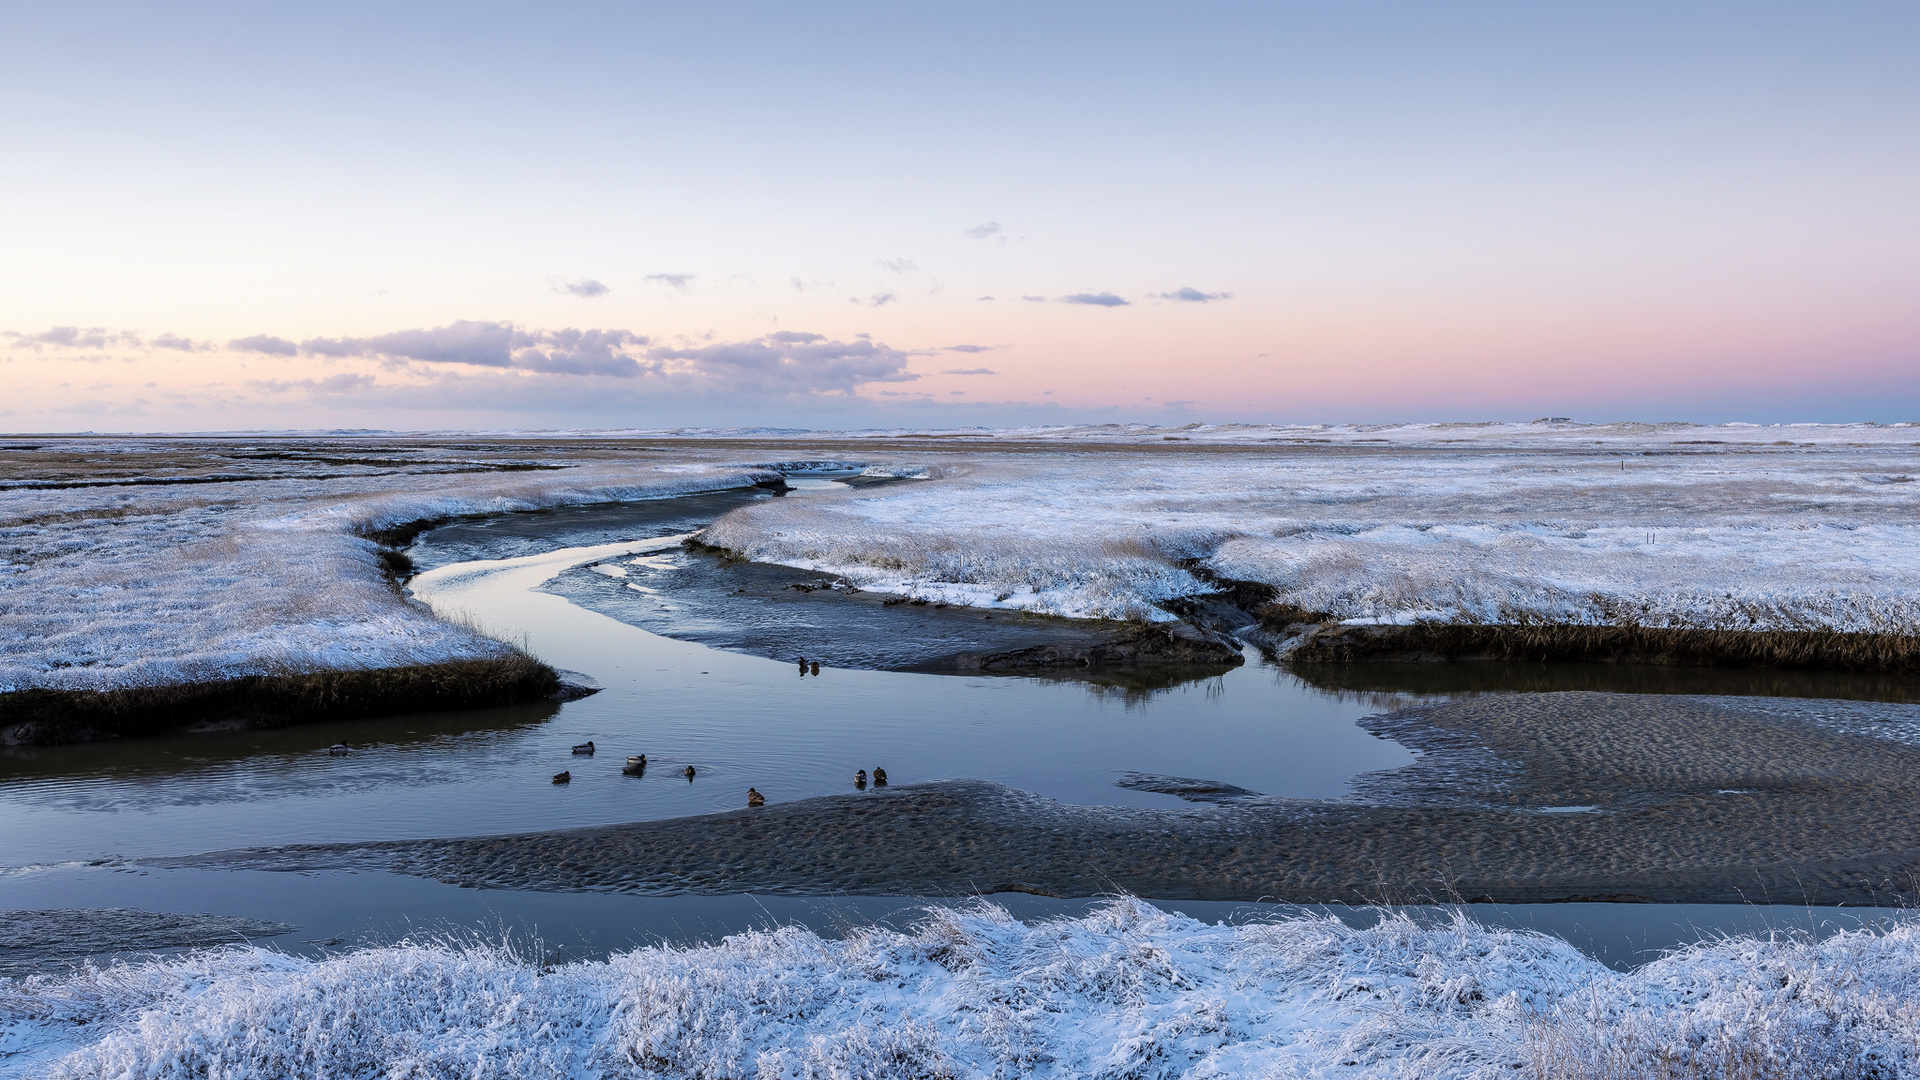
(1811, 649)
(47, 717)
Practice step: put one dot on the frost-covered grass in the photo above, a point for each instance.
(152, 577)
(189, 560)
(1658, 526)
(1127, 991)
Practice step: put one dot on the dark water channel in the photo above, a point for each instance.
(697, 661)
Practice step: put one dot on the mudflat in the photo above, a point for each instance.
(1516, 798)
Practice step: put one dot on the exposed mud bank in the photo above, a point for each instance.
(1248, 611)
(713, 596)
(1557, 797)
(50, 717)
(1177, 644)
(1329, 643)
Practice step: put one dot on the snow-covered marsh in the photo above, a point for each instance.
(136, 562)
(1126, 991)
(1802, 527)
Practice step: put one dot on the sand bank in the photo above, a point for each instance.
(1517, 798)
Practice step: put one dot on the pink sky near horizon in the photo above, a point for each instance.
(1406, 212)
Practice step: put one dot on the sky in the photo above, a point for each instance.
(432, 216)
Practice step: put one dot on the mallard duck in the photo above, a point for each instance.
(636, 765)
(585, 748)
(879, 778)
(860, 779)
(688, 773)
(563, 777)
(339, 748)
(754, 798)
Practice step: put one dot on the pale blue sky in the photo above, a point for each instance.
(1401, 210)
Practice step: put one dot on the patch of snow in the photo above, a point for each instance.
(1127, 990)
(160, 584)
(1628, 525)
(1737, 527)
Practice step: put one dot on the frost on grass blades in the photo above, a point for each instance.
(1127, 991)
(131, 563)
(1727, 528)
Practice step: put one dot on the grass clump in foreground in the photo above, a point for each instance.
(46, 717)
(1123, 991)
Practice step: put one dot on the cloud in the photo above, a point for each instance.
(1190, 295)
(263, 343)
(983, 297)
(175, 342)
(984, 230)
(487, 344)
(585, 288)
(580, 352)
(73, 337)
(876, 300)
(1100, 299)
(681, 282)
(971, 348)
(1034, 299)
(970, 371)
(770, 365)
(743, 377)
(898, 266)
(498, 345)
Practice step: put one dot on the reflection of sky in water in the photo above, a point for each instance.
(801, 485)
(743, 720)
(342, 909)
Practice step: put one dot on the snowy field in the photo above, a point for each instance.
(1780, 528)
(133, 561)
(130, 562)
(1127, 991)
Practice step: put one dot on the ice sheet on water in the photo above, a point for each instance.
(1127, 990)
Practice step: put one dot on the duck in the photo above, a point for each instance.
(860, 779)
(879, 778)
(585, 748)
(636, 765)
(688, 773)
(754, 798)
(563, 777)
(814, 668)
(339, 748)
(803, 665)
